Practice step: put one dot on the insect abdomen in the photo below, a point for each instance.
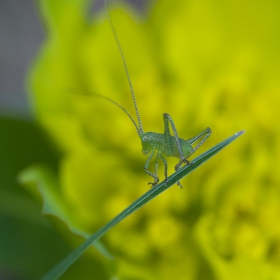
(170, 147)
(187, 148)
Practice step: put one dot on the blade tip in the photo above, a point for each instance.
(240, 132)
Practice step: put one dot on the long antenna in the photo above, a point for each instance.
(141, 131)
(94, 94)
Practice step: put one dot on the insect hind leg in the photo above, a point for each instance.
(167, 118)
(207, 132)
(183, 159)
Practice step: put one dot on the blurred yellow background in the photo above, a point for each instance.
(206, 63)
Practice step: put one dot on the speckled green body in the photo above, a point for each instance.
(165, 145)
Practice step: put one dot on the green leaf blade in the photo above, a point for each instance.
(58, 270)
(181, 173)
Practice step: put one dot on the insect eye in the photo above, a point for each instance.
(144, 139)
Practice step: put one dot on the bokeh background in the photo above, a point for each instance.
(206, 63)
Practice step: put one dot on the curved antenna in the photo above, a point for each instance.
(93, 94)
(140, 129)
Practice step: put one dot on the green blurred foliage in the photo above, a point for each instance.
(29, 245)
(206, 63)
(23, 229)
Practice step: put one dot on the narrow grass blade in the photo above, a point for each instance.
(58, 270)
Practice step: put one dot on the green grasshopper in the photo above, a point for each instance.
(156, 144)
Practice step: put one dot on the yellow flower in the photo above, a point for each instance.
(206, 64)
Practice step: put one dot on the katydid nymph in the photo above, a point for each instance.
(155, 144)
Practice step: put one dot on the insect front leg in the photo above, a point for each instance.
(156, 179)
(165, 167)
